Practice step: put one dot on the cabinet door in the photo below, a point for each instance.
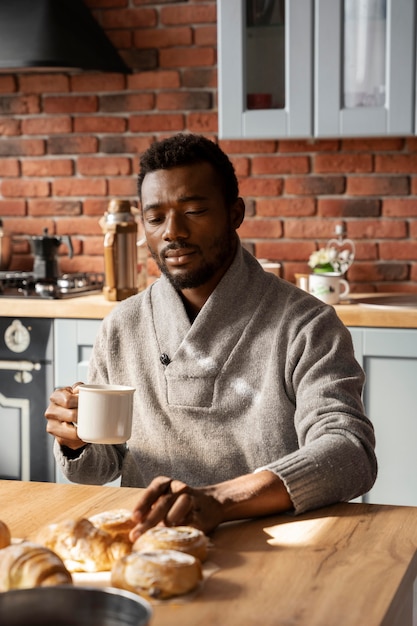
(265, 68)
(390, 363)
(74, 340)
(364, 67)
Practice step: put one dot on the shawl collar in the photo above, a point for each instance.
(201, 348)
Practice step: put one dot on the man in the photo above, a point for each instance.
(248, 396)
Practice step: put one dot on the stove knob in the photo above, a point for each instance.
(17, 337)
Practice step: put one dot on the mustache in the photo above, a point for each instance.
(177, 245)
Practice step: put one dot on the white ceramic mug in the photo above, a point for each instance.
(105, 413)
(271, 266)
(328, 287)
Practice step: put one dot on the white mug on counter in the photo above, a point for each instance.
(329, 287)
(105, 413)
(271, 266)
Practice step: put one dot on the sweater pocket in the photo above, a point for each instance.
(190, 391)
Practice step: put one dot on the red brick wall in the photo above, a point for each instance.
(71, 142)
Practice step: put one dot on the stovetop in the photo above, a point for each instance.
(26, 285)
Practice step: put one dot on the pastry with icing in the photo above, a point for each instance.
(157, 574)
(183, 538)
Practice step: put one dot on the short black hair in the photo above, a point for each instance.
(187, 149)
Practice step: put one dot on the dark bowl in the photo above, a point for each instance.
(67, 605)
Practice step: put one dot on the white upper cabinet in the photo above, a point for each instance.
(364, 67)
(265, 68)
(316, 68)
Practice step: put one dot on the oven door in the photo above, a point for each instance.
(25, 446)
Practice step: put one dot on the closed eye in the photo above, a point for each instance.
(154, 219)
(195, 211)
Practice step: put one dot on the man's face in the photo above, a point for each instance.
(189, 230)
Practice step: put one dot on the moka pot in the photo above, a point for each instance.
(45, 250)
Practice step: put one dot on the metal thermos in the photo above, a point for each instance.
(5, 248)
(120, 257)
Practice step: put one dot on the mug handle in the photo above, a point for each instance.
(346, 289)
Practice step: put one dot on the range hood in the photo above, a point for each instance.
(54, 35)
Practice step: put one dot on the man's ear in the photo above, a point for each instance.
(238, 213)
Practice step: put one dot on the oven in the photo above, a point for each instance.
(26, 372)
(26, 382)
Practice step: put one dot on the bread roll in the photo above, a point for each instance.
(25, 565)
(182, 538)
(5, 536)
(117, 522)
(157, 574)
(82, 546)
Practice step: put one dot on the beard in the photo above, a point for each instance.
(221, 252)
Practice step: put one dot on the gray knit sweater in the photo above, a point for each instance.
(264, 377)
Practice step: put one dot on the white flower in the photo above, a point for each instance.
(331, 259)
(319, 258)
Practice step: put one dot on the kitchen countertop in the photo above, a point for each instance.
(94, 306)
(354, 314)
(346, 564)
(97, 307)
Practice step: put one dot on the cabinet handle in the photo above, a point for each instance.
(22, 366)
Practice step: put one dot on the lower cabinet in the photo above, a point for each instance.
(389, 358)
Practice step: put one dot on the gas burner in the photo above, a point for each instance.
(71, 282)
(24, 284)
(18, 283)
(46, 289)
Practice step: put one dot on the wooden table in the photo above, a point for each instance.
(344, 565)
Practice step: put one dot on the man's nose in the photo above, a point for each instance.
(175, 227)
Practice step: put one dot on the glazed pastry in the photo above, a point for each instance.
(118, 522)
(82, 546)
(25, 565)
(183, 538)
(5, 536)
(157, 574)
